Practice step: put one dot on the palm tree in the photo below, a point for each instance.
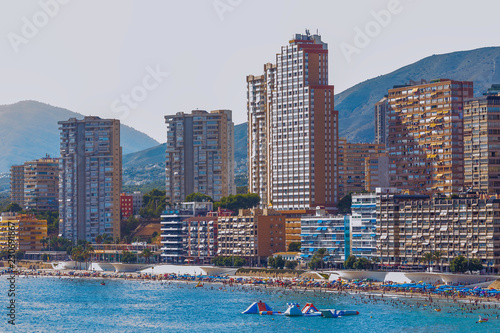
(427, 257)
(147, 253)
(438, 256)
(322, 253)
(98, 239)
(44, 241)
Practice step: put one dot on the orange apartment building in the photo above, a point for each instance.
(29, 231)
(292, 224)
(425, 143)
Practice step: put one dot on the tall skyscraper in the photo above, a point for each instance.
(301, 125)
(90, 178)
(259, 98)
(425, 136)
(199, 154)
(482, 143)
(381, 121)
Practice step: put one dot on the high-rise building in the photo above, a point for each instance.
(425, 136)
(17, 184)
(259, 98)
(41, 184)
(35, 184)
(482, 143)
(381, 121)
(302, 127)
(351, 165)
(90, 178)
(199, 154)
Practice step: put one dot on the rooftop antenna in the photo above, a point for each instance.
(307, 32)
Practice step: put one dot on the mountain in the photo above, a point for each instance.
(356, 104)
(29, 130)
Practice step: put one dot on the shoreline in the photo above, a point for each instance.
(271, 283)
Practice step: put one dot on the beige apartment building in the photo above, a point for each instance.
(17, 184)
(199, 154)
(381, 121)
(254, 234)
(376, 171)
(426, 135)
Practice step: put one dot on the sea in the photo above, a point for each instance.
(47, 304)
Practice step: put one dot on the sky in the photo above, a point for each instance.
(138, 60)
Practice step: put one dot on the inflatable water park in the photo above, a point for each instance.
(294, 310)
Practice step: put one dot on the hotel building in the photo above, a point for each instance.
(381, 121)
(426, 136)
(90, 178)
(17, 184)
(301, 126)
(41, 184)
(363, 225)
(201, 240)
(482, 143)
(199, 154)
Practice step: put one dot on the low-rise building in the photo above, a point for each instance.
(28, 231)
(254, 234)
(325, 231)
(126, 205)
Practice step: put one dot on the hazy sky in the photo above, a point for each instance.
(139, 60)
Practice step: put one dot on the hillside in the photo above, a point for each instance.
(356, 104)
(30, 130)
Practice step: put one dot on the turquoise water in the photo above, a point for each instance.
(64, 305)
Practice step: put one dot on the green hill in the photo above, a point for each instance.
(29, 130)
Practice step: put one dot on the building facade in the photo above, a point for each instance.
(412, 225)
(426, 136)
(199, 154)
(328, 232)
(255, 234)
(482, 144)
(351, 161)
(363, 225)
(381, 121)
(301, 125)
(201, 240)
(376, 171)
(126, 206)
(174, 233)
(28, 231)
(259, 101)
(17, 184)
(41, 184)
(90, 178)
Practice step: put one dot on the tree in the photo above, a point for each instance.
(344, 204)
(475, 264)
(375, 261)
(428, 257)
(128, 257)
(350, 261)
(147, 253)
(294, 247)
(13, 207)
(198, 197)
(438, 257)
(238, 201)
(154, 203)
(458, 264)
(228, 261)
(291, 264)
(276, 262)
(317, 260)
(19, 255)
(362, 263)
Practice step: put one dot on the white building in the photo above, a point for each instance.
(363, 225)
